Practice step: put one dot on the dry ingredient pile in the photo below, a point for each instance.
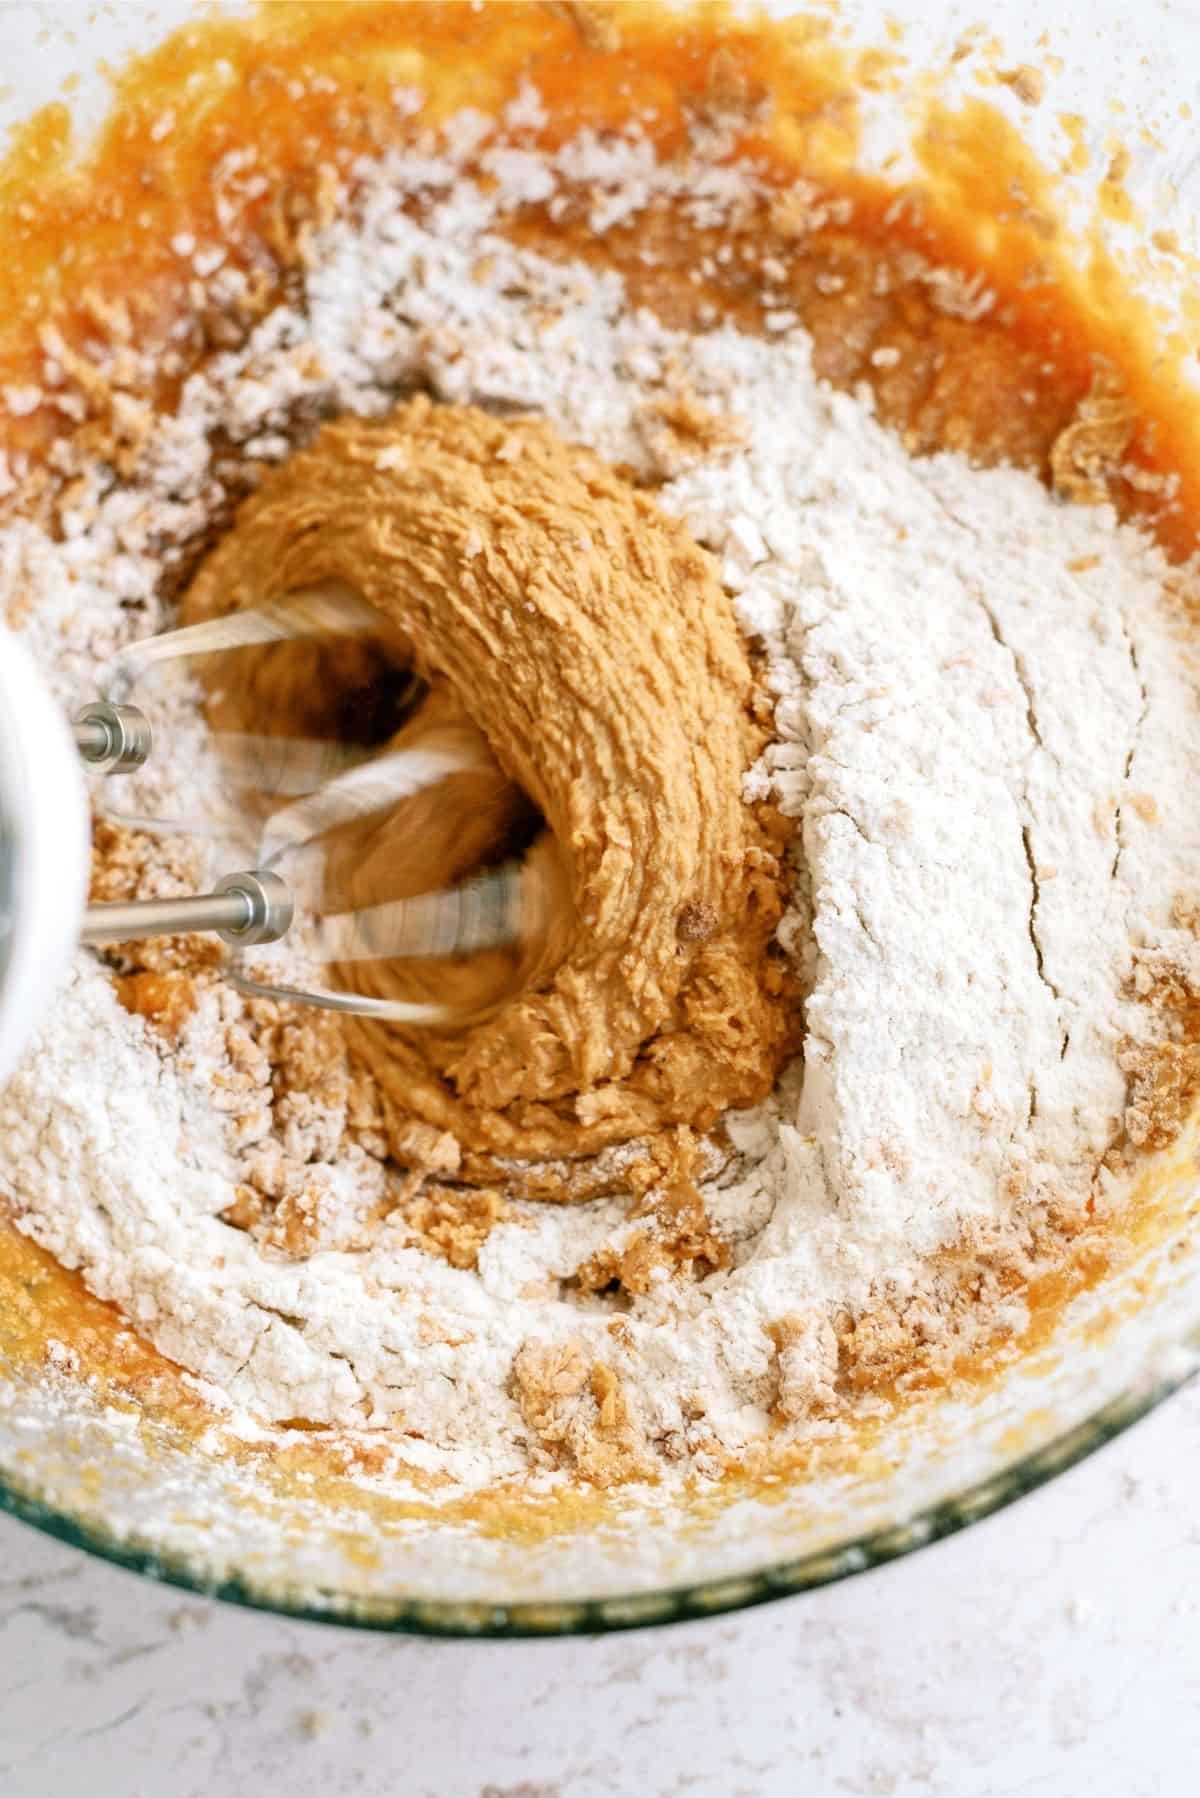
(970, 771)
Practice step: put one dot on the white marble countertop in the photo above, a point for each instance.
(1053, 1650)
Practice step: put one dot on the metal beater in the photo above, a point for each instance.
(327, 786)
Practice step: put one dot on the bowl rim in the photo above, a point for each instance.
(485, 1619)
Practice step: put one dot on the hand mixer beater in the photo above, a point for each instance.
(276, 799)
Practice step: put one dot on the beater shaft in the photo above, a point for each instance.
(245, 909)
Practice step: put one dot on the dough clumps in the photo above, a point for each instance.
(579, 642)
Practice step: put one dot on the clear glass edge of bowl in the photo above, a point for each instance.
(483, 1619)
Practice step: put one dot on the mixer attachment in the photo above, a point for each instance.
(155, 682)
(113, 739)
(274, 800)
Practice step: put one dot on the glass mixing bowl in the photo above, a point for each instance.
(126, 1485)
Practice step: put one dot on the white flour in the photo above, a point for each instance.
(971, 732)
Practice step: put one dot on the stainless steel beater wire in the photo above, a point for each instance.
(326, 998)
(308, 612)
(484, 913)
(273, 765)
(269, 767)
(368, 788)
(286, 765)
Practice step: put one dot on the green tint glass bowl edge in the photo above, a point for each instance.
(643, 1610)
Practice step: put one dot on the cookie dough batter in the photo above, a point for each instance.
(581, 640)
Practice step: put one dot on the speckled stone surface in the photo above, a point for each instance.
(1054, 1650)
